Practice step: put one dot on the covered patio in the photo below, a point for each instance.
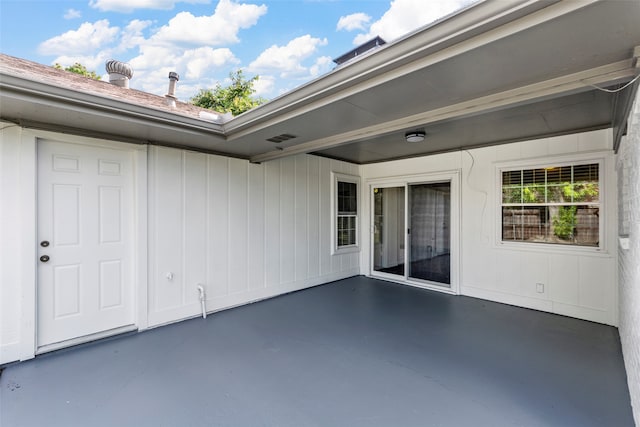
(358, 351)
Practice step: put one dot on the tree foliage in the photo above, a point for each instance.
(236, 98)
(565, 222)
(78, 68)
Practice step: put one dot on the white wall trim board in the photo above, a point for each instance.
(141, 247)
(27, 244)
(10, 352)
(585, 313)
(214, 305)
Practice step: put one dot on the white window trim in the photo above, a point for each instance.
(566, 160)
(335, 177)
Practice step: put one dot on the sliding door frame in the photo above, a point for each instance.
(453, 177)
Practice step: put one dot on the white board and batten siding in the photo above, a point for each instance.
(11, 237)
(246, 232)
(243, 231)
(577, 283)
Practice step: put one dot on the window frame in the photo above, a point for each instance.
(352, 179)
(553, 162)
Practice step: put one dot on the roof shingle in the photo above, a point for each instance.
(33, 71)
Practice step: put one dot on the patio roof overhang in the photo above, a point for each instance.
(496, 72)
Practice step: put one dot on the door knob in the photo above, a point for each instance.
(44, 243)
(44, 258)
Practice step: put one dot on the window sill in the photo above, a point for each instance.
(345, 250)
(553, 248)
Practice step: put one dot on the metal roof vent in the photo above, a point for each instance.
(171, 94)
(280, 138)
(119, 73)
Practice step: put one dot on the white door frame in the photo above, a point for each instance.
(404, 181)
(29, 220)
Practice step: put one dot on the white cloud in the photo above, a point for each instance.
(264, 85)
(198, 48)
(321, 66)
(132, 36)
(72, 14)
(127, 6)
(405, 16)
(185, 44)
(191, 64)
(287, 60)
(220, 28)
(86, 39)
(355, 21)
(197, 68)
(198, 61)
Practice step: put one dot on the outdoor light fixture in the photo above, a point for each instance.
(415, 136)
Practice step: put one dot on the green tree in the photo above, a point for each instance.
(565, 222)
(78, 68)
(236, 98)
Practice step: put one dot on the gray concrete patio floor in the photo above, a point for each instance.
(357, 352)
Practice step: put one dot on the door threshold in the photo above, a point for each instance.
(422, 285)
(85, 339)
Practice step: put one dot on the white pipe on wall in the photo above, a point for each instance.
(203, 299)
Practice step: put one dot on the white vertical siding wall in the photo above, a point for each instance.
(17, 242)
(628, 162)
(577, 283)
(10, 243)
(242, 231)
(247, 232)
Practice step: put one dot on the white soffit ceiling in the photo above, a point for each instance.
(527, 67)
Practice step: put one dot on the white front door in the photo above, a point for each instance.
(85, 241)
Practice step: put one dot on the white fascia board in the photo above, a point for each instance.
(54, 96)
(416, 51)
(617, 72)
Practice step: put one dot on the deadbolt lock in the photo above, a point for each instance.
(44, 258)
(44, 243)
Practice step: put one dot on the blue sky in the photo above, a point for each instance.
(285, 42)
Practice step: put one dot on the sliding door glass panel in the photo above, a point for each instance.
(389, 229)
(430, 232)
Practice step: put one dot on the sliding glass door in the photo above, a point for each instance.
(411, 237)
(429, 232)
(389, 230)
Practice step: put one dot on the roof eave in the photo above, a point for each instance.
(72, 100)
(475, 26)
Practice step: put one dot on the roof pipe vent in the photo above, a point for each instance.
(119, 73)
(171, 95)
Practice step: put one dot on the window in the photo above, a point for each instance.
(555, 204)
(345, 212)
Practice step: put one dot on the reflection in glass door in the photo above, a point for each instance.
(389, 230)
(430, 232)
(420, 216)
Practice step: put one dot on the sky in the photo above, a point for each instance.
(287, 43)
